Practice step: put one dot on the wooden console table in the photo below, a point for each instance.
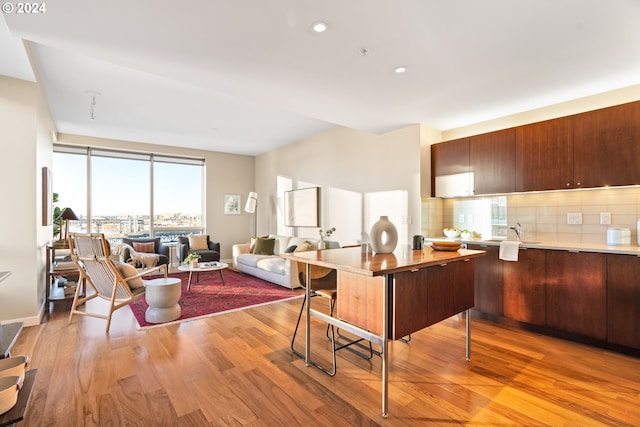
(56, 269)
(388, 296)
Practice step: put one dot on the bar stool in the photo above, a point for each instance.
(324, 284)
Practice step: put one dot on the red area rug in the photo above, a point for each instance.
(209, 297)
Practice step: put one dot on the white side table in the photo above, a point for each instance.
(163, 295)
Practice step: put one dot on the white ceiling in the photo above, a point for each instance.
(247, 76)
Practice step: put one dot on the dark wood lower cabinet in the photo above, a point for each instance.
(489, 292)
(524, 287)
(623, 300)
(576, 294)
(588, 297)
(424, 297)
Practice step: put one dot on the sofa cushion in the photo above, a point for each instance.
(272, 264)
(290, 249)
(155, 240)
(264, 246)
(147, 247)
(305, 246)
(198, 242)
(251, 260)
(127, 270)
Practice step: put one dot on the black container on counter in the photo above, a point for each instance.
(418, 241)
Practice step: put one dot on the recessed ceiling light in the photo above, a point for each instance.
(401, 69)
(319, 27)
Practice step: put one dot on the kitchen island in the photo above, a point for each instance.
(389, 296)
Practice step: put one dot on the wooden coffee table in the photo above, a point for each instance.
(203, 266)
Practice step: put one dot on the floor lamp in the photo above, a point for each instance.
(252, 207)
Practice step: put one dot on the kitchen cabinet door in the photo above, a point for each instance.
(450, 168)
(492, 162)
(489, 292)
(576, 299)
(429, 295)
(606, 146)
(524, 287)
(441, 302)
(544, 155)
(623, 300)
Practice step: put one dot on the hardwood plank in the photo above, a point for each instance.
(237, 370)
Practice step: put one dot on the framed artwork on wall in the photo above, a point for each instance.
(232, 204)
(47, 197)
(301, 207)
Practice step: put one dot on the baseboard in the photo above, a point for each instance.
(29, 321)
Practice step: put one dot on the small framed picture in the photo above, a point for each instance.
(232, 204)
(47, 197)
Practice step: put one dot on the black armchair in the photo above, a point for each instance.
(159, 248)
(206, 255)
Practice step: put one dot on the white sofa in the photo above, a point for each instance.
(272, 268)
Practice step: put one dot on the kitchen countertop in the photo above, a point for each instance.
(560, 246)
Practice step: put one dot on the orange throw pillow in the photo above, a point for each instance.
(143, 247)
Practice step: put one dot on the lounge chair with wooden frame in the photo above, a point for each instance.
(119, 284)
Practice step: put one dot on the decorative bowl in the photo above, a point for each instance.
(446, 246)
(13, 366)
(451, 232)
(9, 387)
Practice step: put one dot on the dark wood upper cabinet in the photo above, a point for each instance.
(598, 148)
(544, 155)
(450, 168)
(606, 146)
(492, 162)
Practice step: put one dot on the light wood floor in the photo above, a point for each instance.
(237, 370)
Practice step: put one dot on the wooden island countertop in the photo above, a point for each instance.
(402, 259)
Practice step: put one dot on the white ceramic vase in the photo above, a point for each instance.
(322, 244)
(383, 236)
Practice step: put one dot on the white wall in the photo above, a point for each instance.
(26, 131)
(355, 170)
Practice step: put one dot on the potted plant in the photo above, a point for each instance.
(192, 259)
(325, 235)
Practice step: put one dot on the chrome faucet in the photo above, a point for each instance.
(518, 230)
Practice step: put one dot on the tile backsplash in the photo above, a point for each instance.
(543, 215)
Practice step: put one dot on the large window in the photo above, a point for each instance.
(125, 194)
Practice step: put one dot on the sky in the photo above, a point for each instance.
(121, 186)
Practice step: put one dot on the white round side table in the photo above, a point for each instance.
(163, 295)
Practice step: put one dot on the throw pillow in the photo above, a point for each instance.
(126, 271)
(264, 246)
(290, 249)
(304, 246)
(198, 242)
(143, 247)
